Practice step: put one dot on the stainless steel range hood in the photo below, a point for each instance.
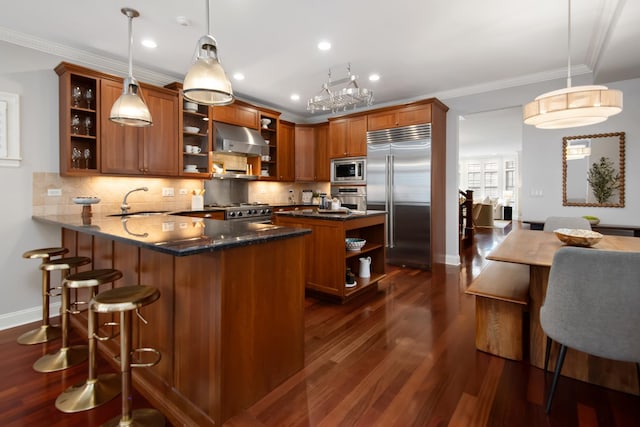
(233, 139)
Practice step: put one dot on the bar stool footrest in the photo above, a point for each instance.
(108, 337)
(145, 364)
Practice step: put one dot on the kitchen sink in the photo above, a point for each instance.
(139, 214)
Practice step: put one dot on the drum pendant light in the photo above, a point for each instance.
(206, 82)
(130, 109)
(572, 106)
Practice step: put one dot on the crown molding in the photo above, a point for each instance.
(86, 58)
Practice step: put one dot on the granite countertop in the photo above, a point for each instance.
(174, 234)
(331, 215)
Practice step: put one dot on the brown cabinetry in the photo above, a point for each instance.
(140, 151)
(79, 121)
(286, 151)
(311, 152)
(399, 116)
(322, 160)
(238, 113)
(305, 153)
(270, 133)
(327, 258)
(348, 137)
(194, 144)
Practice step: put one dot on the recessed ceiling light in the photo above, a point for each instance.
(149, 43)
(324, 45)
(183, 20)
(238, 76)
(295, 97)
(374, 77)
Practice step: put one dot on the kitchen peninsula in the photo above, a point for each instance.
(327, 258)
(229, 323)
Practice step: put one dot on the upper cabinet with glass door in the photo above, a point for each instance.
(79, 123)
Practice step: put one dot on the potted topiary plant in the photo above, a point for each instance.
(603, 179)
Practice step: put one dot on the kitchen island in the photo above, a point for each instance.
(327, 258)
(229, 323)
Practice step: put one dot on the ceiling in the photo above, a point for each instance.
(419, 48)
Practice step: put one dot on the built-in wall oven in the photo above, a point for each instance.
(349, 170)
(351, 196)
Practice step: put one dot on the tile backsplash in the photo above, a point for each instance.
(111, 191)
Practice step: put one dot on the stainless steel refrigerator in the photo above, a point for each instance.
(399, 182)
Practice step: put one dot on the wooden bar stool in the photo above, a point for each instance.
(124, 300)
(97, 389)
(46, 332)
(67, 356)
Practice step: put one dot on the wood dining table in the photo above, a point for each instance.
(536, 249)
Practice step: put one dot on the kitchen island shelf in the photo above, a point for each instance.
(327, 258)
(366, 249)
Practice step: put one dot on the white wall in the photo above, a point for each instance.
(541, 161)
(542, 168)
(30, 75)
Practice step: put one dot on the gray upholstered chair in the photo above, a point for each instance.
(592, 306)
(576, 222)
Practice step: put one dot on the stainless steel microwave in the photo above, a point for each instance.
(350, 170)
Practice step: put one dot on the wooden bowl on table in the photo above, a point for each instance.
(574, 237)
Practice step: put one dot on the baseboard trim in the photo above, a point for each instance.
(28, 315)
(452, 259)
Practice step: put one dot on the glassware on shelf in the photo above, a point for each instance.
(88, 124)
(76, 94)
(87, 157)
(76, 154)
(88, 97)
(75, 124)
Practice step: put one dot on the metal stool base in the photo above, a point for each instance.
(139, 418)
(44, 333)
(90, 394)
(62, 359)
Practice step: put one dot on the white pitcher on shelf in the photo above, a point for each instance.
(365, 267)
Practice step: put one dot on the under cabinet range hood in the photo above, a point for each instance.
(239, 140)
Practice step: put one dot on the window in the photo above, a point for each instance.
(509, 175)
(473, 177)
(491, 179)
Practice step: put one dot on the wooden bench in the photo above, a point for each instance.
(502, 296)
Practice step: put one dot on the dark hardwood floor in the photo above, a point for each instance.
(403, 356)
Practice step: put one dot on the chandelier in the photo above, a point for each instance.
(351, 95)
(572, 106)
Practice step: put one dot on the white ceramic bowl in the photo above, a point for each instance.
(191, 129)
(191, 106)
(354, 244)
(191, 167)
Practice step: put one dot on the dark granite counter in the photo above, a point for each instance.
(330, 215)
(173, 234)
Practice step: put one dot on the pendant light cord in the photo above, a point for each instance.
(569, 45)
(208, 16)
(130, 44)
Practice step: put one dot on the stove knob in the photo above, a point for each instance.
(254, 211)
(262, 211)
(267, 211)
(239, 213)
(232, 214)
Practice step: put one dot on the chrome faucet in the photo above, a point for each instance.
(124, 207)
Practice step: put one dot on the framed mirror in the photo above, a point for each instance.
(593, 170)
